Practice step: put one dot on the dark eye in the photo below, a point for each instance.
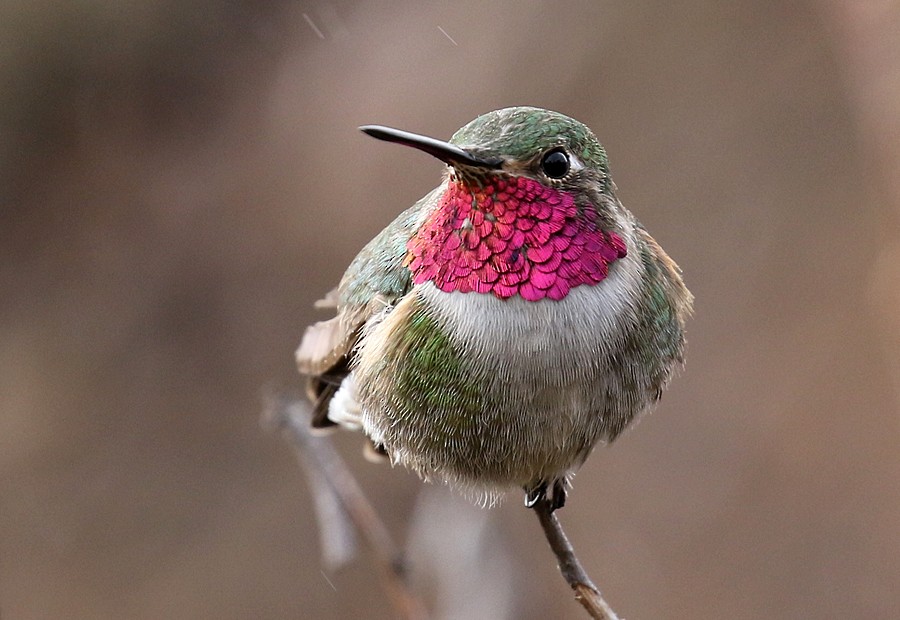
(555, 164)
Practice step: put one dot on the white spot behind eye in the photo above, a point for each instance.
(575, 164)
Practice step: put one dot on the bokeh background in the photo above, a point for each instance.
(179, 181)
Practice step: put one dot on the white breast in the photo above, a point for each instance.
(524, 345)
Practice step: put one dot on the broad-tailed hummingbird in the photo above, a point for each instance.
(508, 321)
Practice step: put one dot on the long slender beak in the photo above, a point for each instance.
(446, 152)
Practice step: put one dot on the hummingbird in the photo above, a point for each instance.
(509, 321)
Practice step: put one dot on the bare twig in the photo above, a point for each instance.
(293, 418)
(586, 592)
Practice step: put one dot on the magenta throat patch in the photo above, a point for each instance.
(511, 236)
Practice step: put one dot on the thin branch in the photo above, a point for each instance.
(293, 418)
(586, 592)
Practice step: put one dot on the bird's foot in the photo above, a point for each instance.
(554, 495)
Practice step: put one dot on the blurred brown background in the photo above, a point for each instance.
(179, 181)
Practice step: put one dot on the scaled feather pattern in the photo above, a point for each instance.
(511, 236)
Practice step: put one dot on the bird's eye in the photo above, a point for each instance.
(555, 164)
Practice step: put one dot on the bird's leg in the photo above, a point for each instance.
(559, 494)
(556, 498)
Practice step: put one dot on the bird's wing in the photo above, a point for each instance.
(373, 283)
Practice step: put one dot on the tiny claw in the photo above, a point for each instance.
(535, 494)
(556, 499)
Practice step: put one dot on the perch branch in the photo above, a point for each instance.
(586, 592)
(293, 418)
